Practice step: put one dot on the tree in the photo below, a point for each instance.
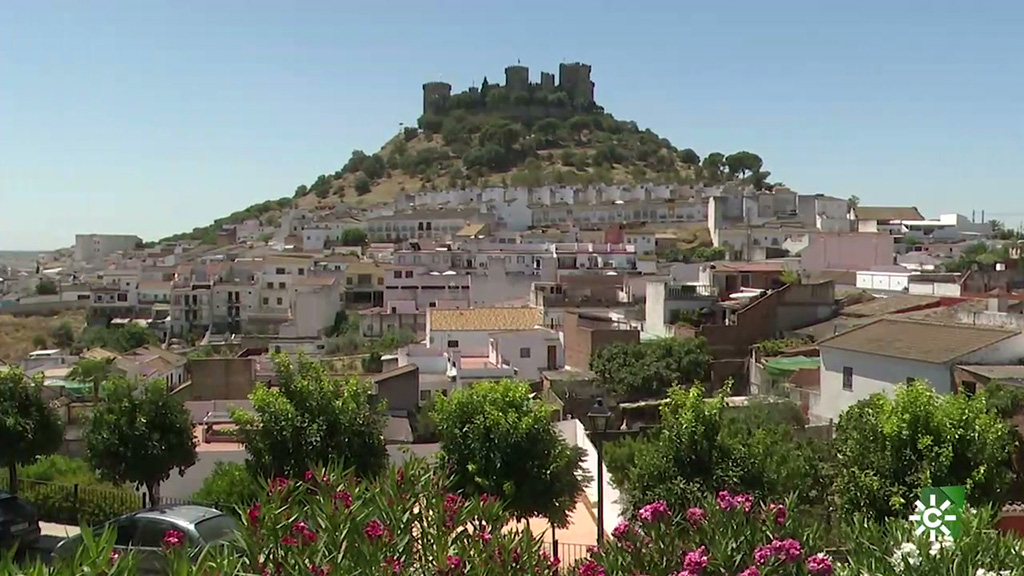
(689, 157)
(46, 287)
(649, 369)
(702, 447)
(39, 342)
(139, 435)
(29, 427)
(362, 185)
(353, 237)
(311, 419)
(711, 166)
(301, 191)
(742, 163)
(63, 335)
(497, 439)
(887, 449)
(92, 371)
(122, 339)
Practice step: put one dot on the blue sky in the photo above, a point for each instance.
(153, 117)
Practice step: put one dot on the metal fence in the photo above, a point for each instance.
(77, 504)
(568, 553)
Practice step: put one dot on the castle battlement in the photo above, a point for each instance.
(573, 79)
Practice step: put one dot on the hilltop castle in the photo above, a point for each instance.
(573, 79)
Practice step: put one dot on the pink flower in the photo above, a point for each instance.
(400, 475)
(591, 568)
(394, 564)
(787, 550)
(278, 484)
(301, 529)
(173, 539)
(345, 497)
(622, 529)
(726, 501)
(654, 511)
(254, 514)
(374, 529)
(485, 498)
(485, 537)
(319, 570)
(745, 501)
(752, 571)
(452, 505)
(696, 516)
(696, 561)
(114, 556)
(763, 554)
(779, 513)
(819, 565)
(289, 541)
(310, 477)
(454, 563)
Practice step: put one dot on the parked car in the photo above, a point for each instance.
(19, 524)
(143, 532)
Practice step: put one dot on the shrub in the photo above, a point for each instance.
(229, 487)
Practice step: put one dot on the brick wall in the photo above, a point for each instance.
(585, 336)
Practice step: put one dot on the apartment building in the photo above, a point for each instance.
(620, 211)
(322, 234)
(426, 224)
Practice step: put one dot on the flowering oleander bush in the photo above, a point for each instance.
(405, 521)
(726, 535)
(893, 549)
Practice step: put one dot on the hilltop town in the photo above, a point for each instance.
(521, 233)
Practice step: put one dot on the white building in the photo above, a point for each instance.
(423, 224)
(878, 356)
(469, 330)
(93, 248)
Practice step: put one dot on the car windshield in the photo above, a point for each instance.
(216, 528)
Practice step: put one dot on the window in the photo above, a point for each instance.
(424, 395)
(432, 304)
(302, 271)
(280, 301)
(270, 285)
(280, 271)
(151, 532)
(122, 297)
(398, 274)
(348, 280)
(453, 343)
(280, 285)
(126, 529)
(266, 301)
(848, 378)
(524, 352)
(408, 273)
(380, 280)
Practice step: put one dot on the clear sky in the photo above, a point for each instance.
(153, 117)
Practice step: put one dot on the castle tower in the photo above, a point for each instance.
(574, 79)
(547, 80)
(517, 78)
(435, 96)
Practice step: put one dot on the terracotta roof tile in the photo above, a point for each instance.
(485, 319)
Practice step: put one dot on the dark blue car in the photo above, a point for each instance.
(19, 524)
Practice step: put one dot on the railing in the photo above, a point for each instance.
(567, 553)
(77, 504)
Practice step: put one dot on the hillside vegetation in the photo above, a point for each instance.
(21, 335)
(488, 135)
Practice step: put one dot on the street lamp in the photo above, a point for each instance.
(598, 417)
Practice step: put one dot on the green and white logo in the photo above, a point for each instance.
(938, 512)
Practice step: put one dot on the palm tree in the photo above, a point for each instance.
(94, 371)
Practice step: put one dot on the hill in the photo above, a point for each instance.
(516, 134)
(17, 334)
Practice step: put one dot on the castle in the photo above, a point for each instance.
(573, 79)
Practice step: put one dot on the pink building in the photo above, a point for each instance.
(846, 251)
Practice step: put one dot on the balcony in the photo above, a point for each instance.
(690, 292)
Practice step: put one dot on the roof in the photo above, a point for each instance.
(766, 266)
(832, 327)
(891, 305)
(99, 354)
(485, 319)
(470, 230)
(887, 213)
(929, 342)
(182, 514)
(1014, 373)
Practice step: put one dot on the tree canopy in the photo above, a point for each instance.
(311, 419)
(497, 439)
(649, 369)
(139, 434)
(119, 339)
(889, 448)
(29, 427)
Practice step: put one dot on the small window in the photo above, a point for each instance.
(302, 271)
(270, 285)
(348, 280)
(266, 301)
(848, 378)
(280, 301)
(277, 349)
(524, 352)
(432, 304)
(453, 343)
(281, 285)
(398, 274)
(280, 271)
(408, 273)
(424, 395)
(380, 280)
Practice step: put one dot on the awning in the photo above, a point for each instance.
(782, 366)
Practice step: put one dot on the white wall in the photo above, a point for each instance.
(934, 289)
(883, 281)
(508, 346)
(471, 342)
(183, 487)
(576, 435)
(871, 374)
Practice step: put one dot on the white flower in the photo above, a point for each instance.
(907, 553)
